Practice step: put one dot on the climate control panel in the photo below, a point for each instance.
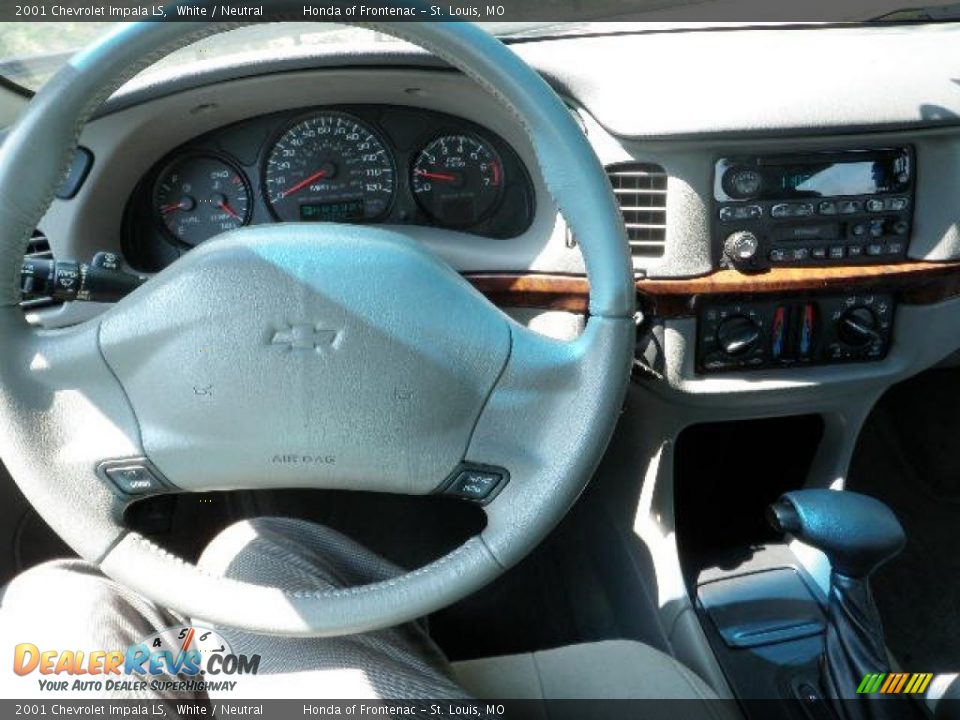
(795, 332)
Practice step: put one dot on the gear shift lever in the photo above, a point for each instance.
(857, 534)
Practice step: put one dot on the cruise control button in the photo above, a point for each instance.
(874, 205)
(476, 484)
(836, 252)
(133, 479)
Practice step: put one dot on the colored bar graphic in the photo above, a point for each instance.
(894, 683)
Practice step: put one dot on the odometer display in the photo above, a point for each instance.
(457, 179)
(330, 166)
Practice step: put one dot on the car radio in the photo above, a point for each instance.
(813, 208)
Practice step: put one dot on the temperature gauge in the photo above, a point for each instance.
(199, 196)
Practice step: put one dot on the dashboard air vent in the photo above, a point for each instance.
(38, 247)
(641, 190)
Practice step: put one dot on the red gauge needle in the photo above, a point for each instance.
(225, 206)
(167, 209)
(436, 176)
(303, 183)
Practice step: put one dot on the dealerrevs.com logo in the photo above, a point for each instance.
(178, 659)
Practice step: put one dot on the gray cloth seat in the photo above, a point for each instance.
(611, 670)
(400, 662)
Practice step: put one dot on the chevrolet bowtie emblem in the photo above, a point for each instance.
(303, 336)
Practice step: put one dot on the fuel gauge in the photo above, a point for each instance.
(199, 196)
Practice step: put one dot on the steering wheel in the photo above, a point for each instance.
(321, 356)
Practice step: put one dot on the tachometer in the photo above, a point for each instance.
(329, 167)
(199, 196)
(457, 179)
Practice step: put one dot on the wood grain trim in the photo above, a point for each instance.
(547, 292)
(917, 283)
(806, 279)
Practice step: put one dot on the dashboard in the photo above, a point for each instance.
(375, 135)
(369, 163)
(805, 318)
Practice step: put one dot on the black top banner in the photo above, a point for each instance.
(552, 11)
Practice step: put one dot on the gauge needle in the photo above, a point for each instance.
(225, 206)
(436, 176)
(167, 209)
(303, 183)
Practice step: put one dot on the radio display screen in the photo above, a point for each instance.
(832, 179)
(814, 175)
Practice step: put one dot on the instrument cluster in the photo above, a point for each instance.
(353, 164)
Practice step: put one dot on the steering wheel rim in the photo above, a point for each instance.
(542, 409)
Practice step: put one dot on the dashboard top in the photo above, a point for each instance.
(876, 77)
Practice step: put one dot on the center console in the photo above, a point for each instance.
(813, 208)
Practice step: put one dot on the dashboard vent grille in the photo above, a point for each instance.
(641, 190)
(38, 247)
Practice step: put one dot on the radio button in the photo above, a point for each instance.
(875, 249)
(836, 252)
(827, 207)
(859, 229)
(875, 205)
(778, 255)
(854, 250)
(897, 203)
(849, 207)
(782, 210)
(740, 212)
(894, 248)
(800, 253)
(818, 253)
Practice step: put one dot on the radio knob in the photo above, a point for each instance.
(741, 247)
(742, 183)
(738, 335)
(858, 327)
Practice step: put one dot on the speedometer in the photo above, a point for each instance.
(329, 167)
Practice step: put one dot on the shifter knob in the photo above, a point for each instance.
(857, 533)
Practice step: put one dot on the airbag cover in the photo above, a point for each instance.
(292, 356)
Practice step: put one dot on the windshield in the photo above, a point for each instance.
(30, 53)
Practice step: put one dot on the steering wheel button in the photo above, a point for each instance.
(475, 484)
(133, 479)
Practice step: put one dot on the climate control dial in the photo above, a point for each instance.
(857, 327)
(738, 335)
